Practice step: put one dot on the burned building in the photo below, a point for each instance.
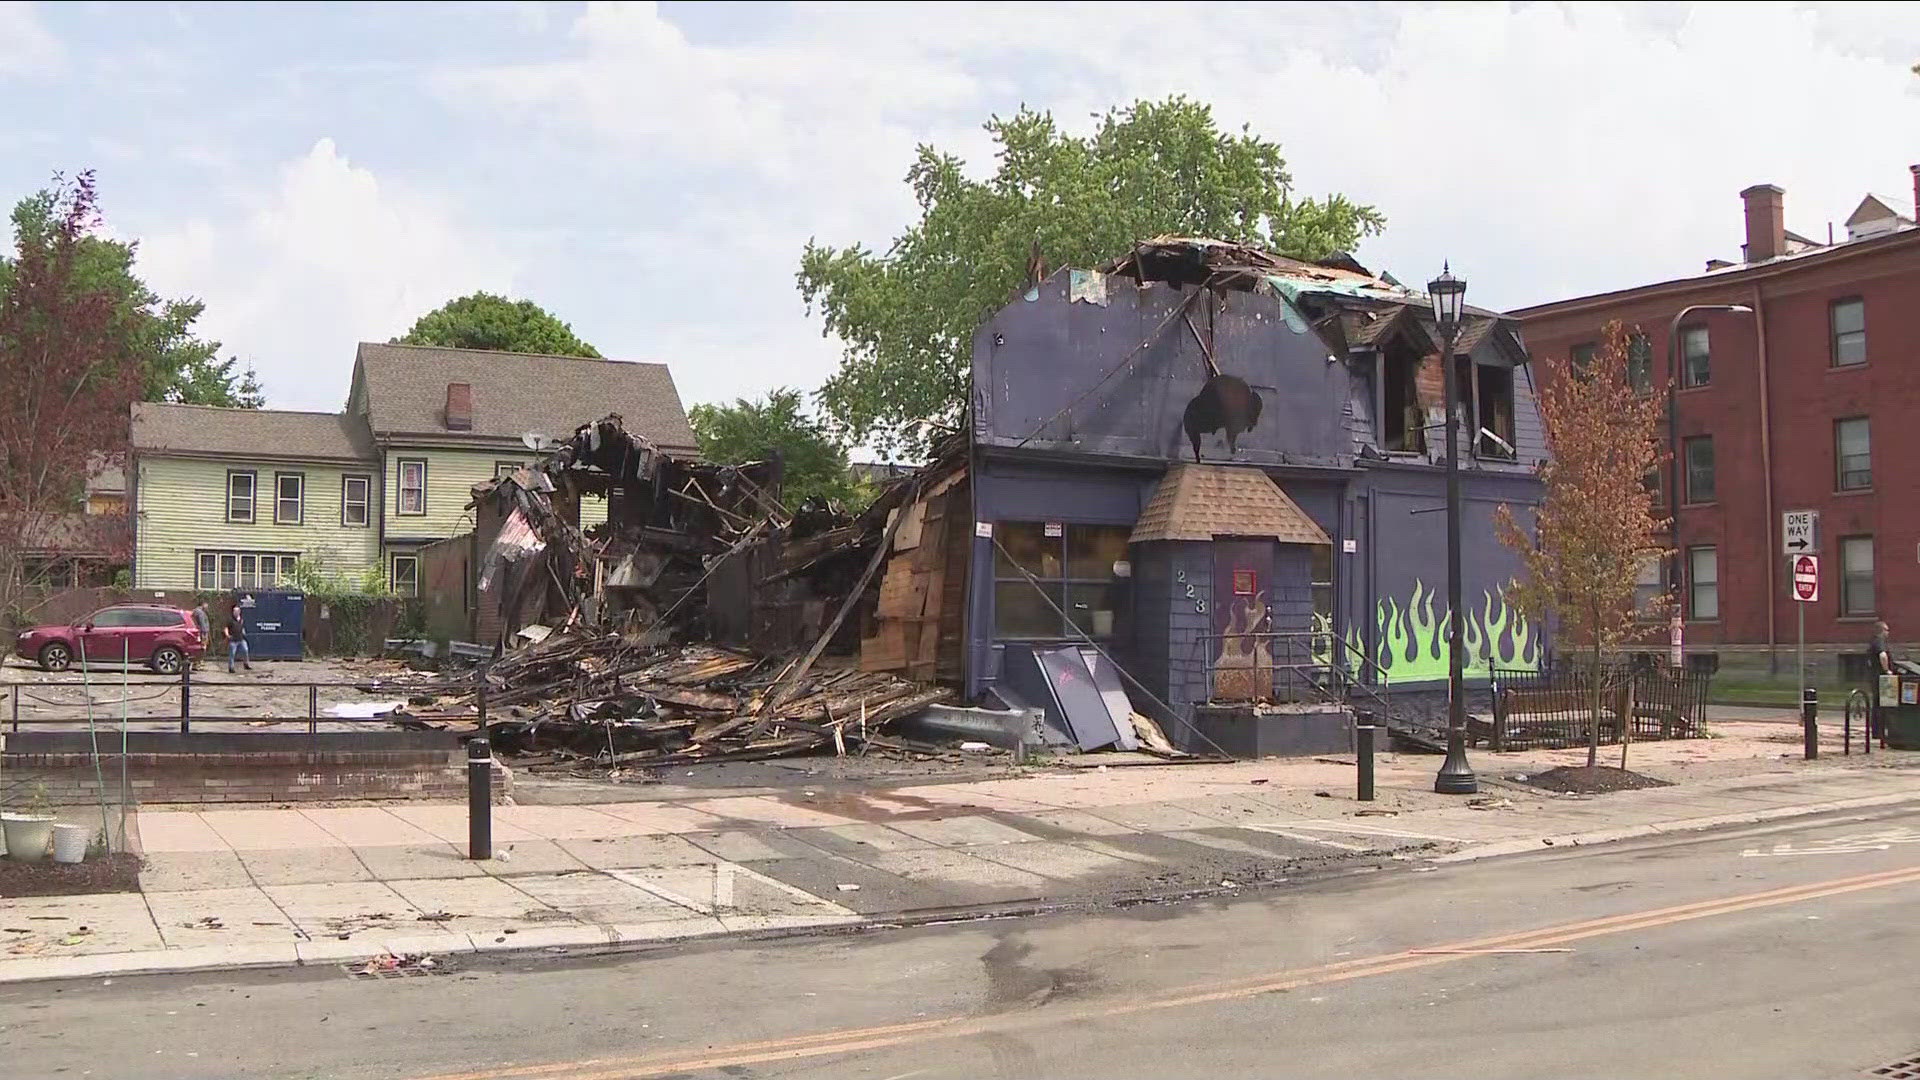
(1227, 467)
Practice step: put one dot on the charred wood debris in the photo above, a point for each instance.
(703, 620)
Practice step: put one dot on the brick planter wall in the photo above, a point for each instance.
(170, 768)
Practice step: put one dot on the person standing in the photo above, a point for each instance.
(1879, 652)
(237, 638)
(203, 624)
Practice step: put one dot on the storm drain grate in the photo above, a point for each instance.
(397, 967)
(1905, 1069)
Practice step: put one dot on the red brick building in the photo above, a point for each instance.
(1810, 400)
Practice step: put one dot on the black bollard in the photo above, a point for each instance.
(1363, 737)
(1810, 721)
(479, 799)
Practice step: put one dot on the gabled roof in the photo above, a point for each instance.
(160, 429)
(1875, 208)
(1200, 502)
(514, 394)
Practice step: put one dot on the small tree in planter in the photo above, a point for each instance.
(1597, 523)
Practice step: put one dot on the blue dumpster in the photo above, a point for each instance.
(275, 619)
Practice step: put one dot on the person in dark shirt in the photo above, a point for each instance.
(237, 638)
(1879, 653)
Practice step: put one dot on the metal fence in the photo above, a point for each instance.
(1555, 706)
(144, 701)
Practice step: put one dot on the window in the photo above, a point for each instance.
(1698, 453)
(240, 497)
(1695, 367)
(406, 575)
(1856, 575)
(1852, 455)
(113, 617)
(1074, 567)
(1848, 322)
(215, 570)
(1640, 363)
(1648, 587)
(1580, 357)
(1703, 583)
(289, 497)
(413, 487)
(355, 500)
(505, 468)
(1495, 437)
(1403, 419)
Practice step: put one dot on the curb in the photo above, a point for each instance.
(1607, 836)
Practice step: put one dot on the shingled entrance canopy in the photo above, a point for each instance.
(1200, 502)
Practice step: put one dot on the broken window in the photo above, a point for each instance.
(1402, 418)
(1494, 438)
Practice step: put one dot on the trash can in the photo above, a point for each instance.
(1899, 706)
(275, 622)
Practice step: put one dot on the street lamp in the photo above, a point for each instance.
(1456, 776)
(1674, 373)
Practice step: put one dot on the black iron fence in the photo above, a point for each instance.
(1558, 706)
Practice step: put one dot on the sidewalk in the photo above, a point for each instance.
(242, 888)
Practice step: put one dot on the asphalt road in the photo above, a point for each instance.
(1784, 951)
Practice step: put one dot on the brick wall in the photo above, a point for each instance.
(278, 776)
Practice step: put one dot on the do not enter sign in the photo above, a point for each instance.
(1806, 578)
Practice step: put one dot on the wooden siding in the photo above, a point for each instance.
(181, 507)
(451, 475)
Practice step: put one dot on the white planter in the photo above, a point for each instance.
(70, 843)
(28, 836)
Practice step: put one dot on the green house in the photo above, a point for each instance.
(231, 498)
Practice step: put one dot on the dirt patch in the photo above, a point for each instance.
(119, 872)
(1584, 780)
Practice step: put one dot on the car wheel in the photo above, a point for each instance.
(167, 660)
(56, 657)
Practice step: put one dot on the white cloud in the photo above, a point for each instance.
(1547, 149)
(27, 47)
(294, 275)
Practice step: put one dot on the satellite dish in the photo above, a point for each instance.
(533, 440)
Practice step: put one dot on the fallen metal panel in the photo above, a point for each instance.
(1078, 699)
(1106, 679)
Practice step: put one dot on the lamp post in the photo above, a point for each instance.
(1456, 776)
(1675, 363)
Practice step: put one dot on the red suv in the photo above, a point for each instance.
(163, 638)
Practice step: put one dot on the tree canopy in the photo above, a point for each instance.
(498, 324)
(175, 365)
(907, 316)
(813, 464)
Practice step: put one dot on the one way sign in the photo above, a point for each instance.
(1796, 531)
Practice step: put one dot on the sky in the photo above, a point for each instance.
(322, 174)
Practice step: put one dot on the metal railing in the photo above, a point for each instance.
(1554, 707)
(1866, 723)
(181, 689)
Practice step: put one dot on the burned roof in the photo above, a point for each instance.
(514, 394)
(164, 429)
(1200, 502)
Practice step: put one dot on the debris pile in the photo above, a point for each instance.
(593, 699)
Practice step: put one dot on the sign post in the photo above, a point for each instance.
(1806, 590)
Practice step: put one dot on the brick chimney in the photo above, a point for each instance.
(459, 406)
(1766, 222)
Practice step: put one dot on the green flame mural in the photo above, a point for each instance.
(1413, 643)
(1413, 640)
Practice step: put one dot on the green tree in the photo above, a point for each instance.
(486, 321)
(813, 463)
(907, 316)
(175, 365)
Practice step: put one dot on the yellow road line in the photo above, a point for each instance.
(853, 1040)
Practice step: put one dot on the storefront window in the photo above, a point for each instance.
(1074, 568)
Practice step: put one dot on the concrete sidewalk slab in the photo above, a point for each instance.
(963, 831)
(367, 826)
(347, 907)
(743, 846)
(239, 916)
(634, 851)
(249, 830)
(861, 837)
(308, 866)
(519, 857)
(178, 831)
(78, 925)
(599, 898)
(449, 824)
(172, 871)
(432, 859)
(478, 905)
